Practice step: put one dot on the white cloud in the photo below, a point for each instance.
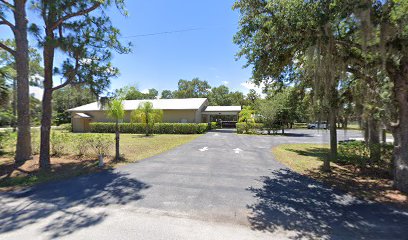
(250, 85)
(145, 91)
(38, 92)
(225, 82)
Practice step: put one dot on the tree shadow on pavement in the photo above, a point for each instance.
(293, 202)
(68, 205)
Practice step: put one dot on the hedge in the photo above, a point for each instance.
(248, 128)
(159, 128)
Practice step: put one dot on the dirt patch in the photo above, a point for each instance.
(367, 185)
(374, 184)
(14, 177)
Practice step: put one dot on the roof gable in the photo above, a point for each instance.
(164, 104)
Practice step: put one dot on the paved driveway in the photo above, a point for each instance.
(219, 186)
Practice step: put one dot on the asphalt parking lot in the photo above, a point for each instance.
(219, 186)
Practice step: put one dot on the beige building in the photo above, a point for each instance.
(187, 110)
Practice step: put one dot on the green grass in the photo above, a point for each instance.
(133, 147)
(301, 157)
(136, 147)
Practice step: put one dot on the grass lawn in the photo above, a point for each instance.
(134, 147)
(307, 159)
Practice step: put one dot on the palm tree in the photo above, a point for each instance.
(146, 114)
(116, 111)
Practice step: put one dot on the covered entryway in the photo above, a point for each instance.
(80, 122)
(226, 116)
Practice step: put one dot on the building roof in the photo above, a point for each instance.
(223, 109)
(83, 115)
(164, 104)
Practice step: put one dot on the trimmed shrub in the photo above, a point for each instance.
(158, 128)
(65, 127)
(214, 125)
(131, 127)
(248, 127)
(202, 127)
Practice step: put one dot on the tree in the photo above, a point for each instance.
(167, 94)
(116, 112)
(246, 116)
(70, 97)
(147, 115)
(82, 32)
(20, 54)
(132, 93)
(237, 98)
(278, 109)
(279, 38)
(8, 72)
(219, 96)
(252, 97)
(192, 89)
(152, 94)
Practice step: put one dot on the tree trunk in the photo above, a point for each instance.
(345, 123)
(117, 136)
(384, 135)
(46, 116)
(23, 146)
(366, 132)
(374, 140)
(14, 105)
(333, 141)
(400, 130)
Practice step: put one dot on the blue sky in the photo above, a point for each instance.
(159, 61)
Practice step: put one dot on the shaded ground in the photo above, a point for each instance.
(133, 147)
(371, 183)
(218, 186)
(291, 201)
(71, 204)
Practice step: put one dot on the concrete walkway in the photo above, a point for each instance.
(219, 186)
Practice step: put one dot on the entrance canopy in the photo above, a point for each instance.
(222, 110)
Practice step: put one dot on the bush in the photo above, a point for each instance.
(158, 128)
(214, 125)
(100, 144)
(59, 143)
(65, 127)
(83, 143)
(5, 138)
(35, 142)
(248, 127)
(358, 153)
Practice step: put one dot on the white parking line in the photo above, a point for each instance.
(237, 150)
(203, 149)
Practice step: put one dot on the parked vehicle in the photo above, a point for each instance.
(317, 125)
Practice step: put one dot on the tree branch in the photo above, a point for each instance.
(10, 6)
(5, 22)
(79, 13)
(70, 78)
(8, 49)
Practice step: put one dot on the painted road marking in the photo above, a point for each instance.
(203, 149)
(216, 134)
(237, 150)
